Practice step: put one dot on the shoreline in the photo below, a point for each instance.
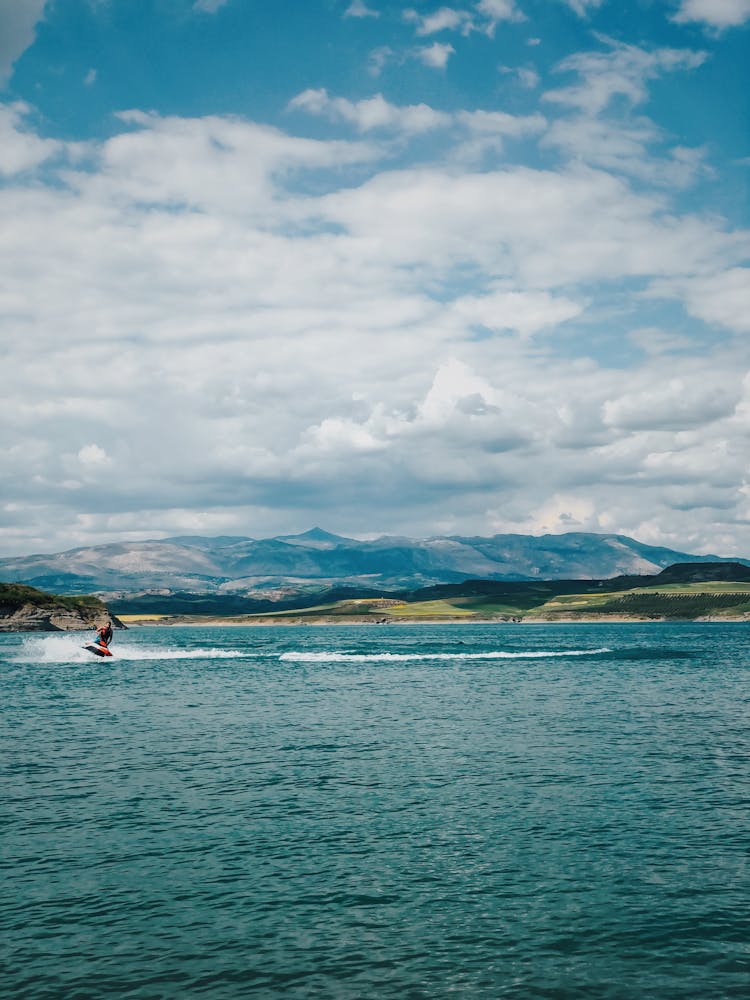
(236, 622)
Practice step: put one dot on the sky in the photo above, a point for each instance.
(386, 268)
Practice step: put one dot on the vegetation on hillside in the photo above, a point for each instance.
(673, 601)
(16, 595)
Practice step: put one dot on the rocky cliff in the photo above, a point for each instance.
(25, 609)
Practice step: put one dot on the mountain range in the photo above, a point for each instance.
(278, 567)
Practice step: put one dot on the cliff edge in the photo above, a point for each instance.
(26, 609)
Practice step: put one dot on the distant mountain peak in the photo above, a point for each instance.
(315, 537)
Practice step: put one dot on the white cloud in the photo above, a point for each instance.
(485, 129)
(500, 123)
(358, 8)
(18, 22)
(92, 455)
(90, 78)
(541, 228)
(527, 77)
(379, 59)
(339, 435)
(675, 404)
(600, 127)
(20, 148)
(558, 514)
(435, 55)
(498, 10)
(223, 163)
(622, 71)
(654, 341)
(453, 382)
(718, 14)
(625, 147)
(484, 17)
(722, 298)
(524, 312)
(444, 19)
(274, 328)
(372, 113)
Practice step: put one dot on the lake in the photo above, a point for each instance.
(422, 811)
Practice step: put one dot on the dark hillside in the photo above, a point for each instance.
(715, 572)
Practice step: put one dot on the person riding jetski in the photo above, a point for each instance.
(104, 635)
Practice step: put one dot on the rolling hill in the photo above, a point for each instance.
(279, 568)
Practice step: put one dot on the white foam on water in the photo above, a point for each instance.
(304, 657)
(69, 649)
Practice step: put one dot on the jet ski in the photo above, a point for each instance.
(97, 649)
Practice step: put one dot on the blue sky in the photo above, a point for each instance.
(385, 267)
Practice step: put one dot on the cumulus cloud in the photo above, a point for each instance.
(620, 71)
(483, 129)
(558, 514)
(446, 18)
(722, 298)
(379, 59)
(626, 147)
(358, 8)
(598, 125)
(435, 55)
(543, 228)
(717, 14)
(20, 147)
(213, 162)
(372, 113)
(526, 76)
(484, 16)
(495, 11)
(500, 123)
(92, 455)
(523, 312)
(674, 405)
(284, 322)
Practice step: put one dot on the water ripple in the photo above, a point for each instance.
(419, 812)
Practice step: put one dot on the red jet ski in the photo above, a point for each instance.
(97, 648)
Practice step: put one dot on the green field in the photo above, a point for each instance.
(670, 601)
(693, 600)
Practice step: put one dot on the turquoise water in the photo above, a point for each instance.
(376, 812)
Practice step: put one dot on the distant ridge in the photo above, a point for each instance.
(317, 560)
(735, 572)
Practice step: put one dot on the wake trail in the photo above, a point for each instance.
(305, 657)
(69, 649)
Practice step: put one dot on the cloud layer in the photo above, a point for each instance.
(213, 325)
